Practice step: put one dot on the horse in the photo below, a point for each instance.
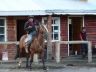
(36, 46)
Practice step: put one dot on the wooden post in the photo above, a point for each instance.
(73, 42)
(89, 52)
(57, 44)
(49, 43)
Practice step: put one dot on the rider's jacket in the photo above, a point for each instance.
(33, 24)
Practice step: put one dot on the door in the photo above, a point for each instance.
(21, 32)
(20, 28)
(77, 23)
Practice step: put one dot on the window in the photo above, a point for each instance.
(2, 29)
(55, 27)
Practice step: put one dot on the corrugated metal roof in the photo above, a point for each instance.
(92, 1)
(65, 5)
(39, 7)
(19, 5)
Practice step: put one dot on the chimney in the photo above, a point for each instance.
(83, 0)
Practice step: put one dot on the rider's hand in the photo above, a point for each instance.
(36, 28)
(30, 27)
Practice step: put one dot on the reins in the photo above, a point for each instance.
(40, 46)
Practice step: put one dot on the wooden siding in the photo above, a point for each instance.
(1, 50)
(90, 24)
(12, 35)
(64, 36)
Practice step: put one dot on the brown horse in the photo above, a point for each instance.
(36, 46)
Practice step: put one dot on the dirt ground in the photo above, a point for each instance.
(13, 67)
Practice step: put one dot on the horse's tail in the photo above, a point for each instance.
(17, 53)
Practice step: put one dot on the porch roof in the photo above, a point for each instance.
(44, 7)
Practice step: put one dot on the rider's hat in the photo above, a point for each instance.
(30, 16)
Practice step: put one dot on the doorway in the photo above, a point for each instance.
(75, 25)
(20, 29)
(21, 32)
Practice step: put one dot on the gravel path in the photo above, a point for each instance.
(14, 68)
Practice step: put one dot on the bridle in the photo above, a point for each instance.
(42, 35)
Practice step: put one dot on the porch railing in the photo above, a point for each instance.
(57, 54)
(10, 42)
(35, 58)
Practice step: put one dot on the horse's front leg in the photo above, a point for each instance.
(31, 60)
(30, 67)
(42, 56)
(27, 60)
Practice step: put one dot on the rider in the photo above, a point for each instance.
(30, 27)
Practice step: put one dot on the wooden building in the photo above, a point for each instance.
(67, 17)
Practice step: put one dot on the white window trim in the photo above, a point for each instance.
(5, 33)
(43, 18)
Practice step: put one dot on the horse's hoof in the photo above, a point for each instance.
(30, 69)
(44, 68)
(19, 64)
(27, 66)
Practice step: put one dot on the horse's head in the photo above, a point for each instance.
(43, 29)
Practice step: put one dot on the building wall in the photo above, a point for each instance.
(90, 24)
(1, 50)
(63, 36)
(12, 35)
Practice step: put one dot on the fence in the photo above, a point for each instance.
(17, 43)
(73, 42)
(10, 42)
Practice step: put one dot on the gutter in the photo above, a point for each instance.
(72, 12)
(23, 13)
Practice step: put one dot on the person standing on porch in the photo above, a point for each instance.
(84, 47)
(31, 26)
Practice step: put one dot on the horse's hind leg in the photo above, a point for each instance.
(42, 55)
(17, 52)
(20, 61)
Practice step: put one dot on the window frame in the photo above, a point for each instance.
(45, 18)
(5, 39)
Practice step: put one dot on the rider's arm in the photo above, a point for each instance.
(26, 26)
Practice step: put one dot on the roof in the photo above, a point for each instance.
(92, 1)
(44, 7)
(65, 5)
(20, 7)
